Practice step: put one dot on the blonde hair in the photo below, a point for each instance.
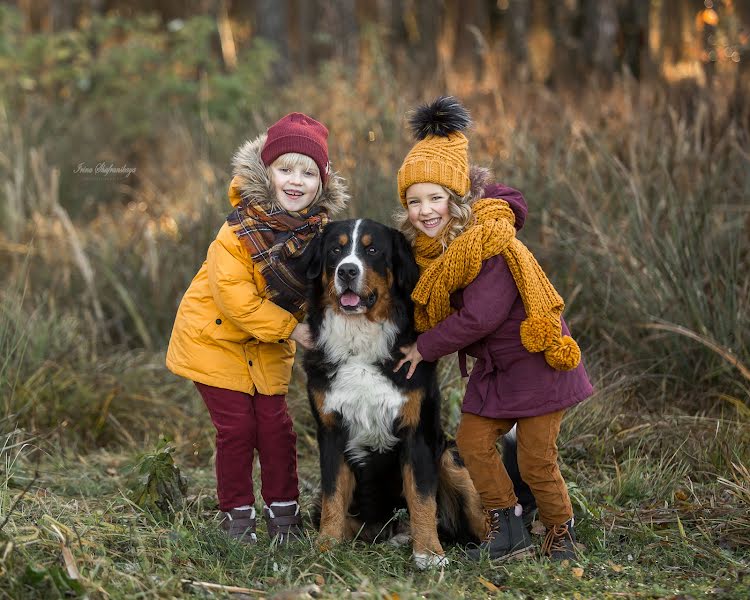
(292, 160)
(460, 211)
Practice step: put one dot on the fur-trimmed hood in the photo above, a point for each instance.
(484, 186)
(250, 179)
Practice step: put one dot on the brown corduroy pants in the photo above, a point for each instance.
(537, 462)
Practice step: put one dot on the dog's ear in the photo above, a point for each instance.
(314, 256)
(405, 267)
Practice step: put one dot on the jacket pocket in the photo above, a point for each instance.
(271, 368)
(224, 330)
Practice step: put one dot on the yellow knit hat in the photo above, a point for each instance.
(441, 154)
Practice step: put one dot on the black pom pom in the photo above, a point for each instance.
(442, 116)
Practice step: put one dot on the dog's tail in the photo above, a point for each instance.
(460, 516)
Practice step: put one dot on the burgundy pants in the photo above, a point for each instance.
(246, 423)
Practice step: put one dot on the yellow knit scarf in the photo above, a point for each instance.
(492, 233)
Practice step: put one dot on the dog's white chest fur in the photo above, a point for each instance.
(367, 400)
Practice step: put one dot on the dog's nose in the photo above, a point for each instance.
(347, 273)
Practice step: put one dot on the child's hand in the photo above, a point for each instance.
(411, 355)
(302, 336)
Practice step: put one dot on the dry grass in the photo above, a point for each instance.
(638, 213)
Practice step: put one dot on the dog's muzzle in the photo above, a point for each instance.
(349, 288)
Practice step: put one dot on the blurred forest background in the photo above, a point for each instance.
(626, 123)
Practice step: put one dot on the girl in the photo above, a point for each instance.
(236, 327)
(482, 293)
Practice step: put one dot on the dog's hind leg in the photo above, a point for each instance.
(459, 494)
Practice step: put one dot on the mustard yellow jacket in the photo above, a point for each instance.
(227, 333)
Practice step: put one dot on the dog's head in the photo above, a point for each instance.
(363, 267)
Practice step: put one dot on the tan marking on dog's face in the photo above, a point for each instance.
(366, 239)
(422, 515)
(328, 418)
(343, 239)
(411, 409)
(457, 477)
(334, 510)
(382, 309)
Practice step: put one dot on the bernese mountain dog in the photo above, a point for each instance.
(382, 447)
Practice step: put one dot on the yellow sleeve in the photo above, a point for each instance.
(235, 293)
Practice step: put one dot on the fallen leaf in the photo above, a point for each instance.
(70, 563)
(577, 572)
(488, 584)
(616, 568)
(538, 528)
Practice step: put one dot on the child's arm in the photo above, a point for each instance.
(487, 303)
(237, 297)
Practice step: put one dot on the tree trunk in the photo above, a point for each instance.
(599, 37)
(62, 15)
(414, 36)
(271, 17)
(519, 17)
(673, 16)
(465, 29)
(567, 61)
(633, 41)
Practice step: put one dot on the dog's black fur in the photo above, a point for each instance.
(362, 274)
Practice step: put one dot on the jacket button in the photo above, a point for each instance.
(250, 363)
(218, 321)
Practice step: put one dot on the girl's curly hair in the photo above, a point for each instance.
(461, 217)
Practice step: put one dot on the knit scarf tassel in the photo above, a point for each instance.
(493, 233)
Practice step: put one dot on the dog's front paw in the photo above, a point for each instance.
(430, 560)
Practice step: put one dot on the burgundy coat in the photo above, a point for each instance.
(507, 380)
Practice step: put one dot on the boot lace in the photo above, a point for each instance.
(555, 540)
(491, 523)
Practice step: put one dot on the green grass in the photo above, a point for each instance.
(656, 519)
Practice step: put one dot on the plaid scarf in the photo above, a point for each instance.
(276, 240)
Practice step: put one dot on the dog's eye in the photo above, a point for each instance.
(372, 250)
(336, 250)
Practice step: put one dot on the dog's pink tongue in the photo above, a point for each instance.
(349, 299)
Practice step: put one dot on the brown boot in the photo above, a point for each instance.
(240, 525)
(283, 522)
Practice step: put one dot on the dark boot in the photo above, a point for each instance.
(283, 522)
(240, 525)
(560, 542)
(507, 537)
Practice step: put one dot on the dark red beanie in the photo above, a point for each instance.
(298, 133)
